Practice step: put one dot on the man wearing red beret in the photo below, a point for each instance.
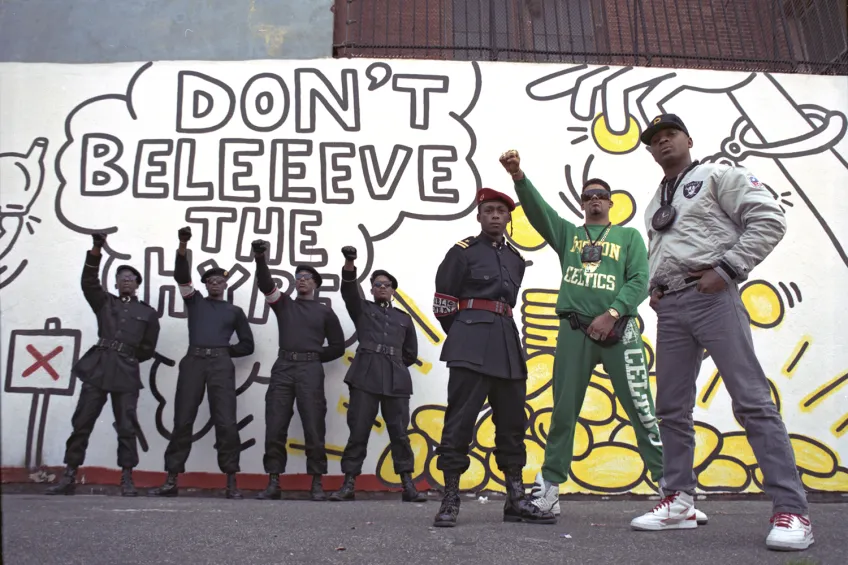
(477, 286)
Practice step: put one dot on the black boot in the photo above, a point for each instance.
(449, 510)
(232, 488)
(66, 485)
(516, 506)
(317, 490)
(167, 489)
(272, 491)
(410, 493)
(347, 492)
(127, 486)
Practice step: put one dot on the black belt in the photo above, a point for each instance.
(117, 346)
(379, 348)
(298, 355)
(195, 351)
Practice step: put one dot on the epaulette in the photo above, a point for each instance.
(467, 242)
(514, 250)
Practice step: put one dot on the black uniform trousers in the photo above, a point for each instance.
(361, 413)
(200, 374)
(300, 383)
(90, 404)
(467, 392)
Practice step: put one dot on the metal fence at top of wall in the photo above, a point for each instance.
(806, 36)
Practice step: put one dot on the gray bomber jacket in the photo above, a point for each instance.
(726, 220)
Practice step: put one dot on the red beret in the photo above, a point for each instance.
(485, 194)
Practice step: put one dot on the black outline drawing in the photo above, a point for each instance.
(35, 429)
(33, 175)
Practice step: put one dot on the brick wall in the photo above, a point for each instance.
(718, 34)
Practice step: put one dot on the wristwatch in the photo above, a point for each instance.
(614, 313)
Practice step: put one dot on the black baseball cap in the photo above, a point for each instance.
(663, 121)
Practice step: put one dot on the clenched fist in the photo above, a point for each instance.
(98, 239)
(511, 162)
(184, 234)
(259, 246)
(349, 252)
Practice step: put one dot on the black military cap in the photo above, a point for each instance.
(130, 269)
(315, 276)
(382, 273)
(663, 121)
(214, 271)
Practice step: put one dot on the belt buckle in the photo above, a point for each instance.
(207, 352)
(499, 307)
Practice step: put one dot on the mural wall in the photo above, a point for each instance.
(387, 156)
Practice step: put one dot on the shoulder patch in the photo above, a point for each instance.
(467, 242)
(514, 250)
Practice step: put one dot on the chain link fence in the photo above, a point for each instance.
(794, 36)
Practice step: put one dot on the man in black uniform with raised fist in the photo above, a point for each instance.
(127, 331)
(477, 286)
(378, 377)
(303, 324)
(207, 368)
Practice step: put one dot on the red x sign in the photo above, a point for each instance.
(42, 361)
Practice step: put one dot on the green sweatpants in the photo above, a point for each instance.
(626, 365)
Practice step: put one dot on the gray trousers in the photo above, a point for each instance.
(689, 322)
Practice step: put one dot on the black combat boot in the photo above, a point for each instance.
(317, 490)
(232, 488)
(516, 506)
(66, 485)
(449, 510)
(167, 489)
(410, 493)
(347, 492)
(127, 486)
(272, 491)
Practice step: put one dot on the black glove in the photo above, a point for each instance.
(98, 239)
(184, 234)
(259, 246)
(349, 252)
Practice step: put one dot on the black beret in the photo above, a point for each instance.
(380, 272)
(315, 276)
(130, 269)
(213, 272)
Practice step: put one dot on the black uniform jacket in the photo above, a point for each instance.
(480, 340)
(388, 343)
(131, 327)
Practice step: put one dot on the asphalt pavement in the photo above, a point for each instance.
(110, 530)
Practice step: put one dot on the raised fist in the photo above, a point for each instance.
(98, 239)
(349, 252)
(184, 234)
(259, 246)
(511, 161)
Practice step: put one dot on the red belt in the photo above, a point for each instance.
(495, 306)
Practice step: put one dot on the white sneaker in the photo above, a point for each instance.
(790, 532)
(700, 517)
(545, 497)
(674, 512)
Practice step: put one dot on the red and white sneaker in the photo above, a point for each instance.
(674, 512)
(790, 532)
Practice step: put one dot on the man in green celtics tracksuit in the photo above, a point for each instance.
(605, 278)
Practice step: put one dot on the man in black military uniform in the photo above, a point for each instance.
(378, 377)
(207, 367)
(127, 330)
(477, 286)
(303, 324)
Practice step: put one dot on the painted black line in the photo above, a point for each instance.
(825, 391)
(797, 357)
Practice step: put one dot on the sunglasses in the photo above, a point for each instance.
(303, 276)
(381, 284)
(595, 193)
(216, 280)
